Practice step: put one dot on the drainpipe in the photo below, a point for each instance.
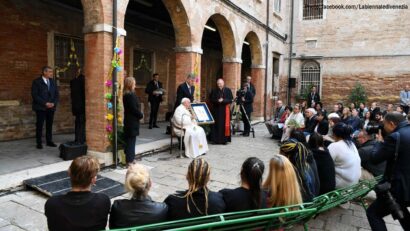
(265, 103)
(290, 49)
(115, 86)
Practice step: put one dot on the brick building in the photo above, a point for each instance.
(334, 48)
(220, 38)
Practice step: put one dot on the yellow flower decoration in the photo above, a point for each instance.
(109, 117)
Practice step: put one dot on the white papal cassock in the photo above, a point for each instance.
(195, 138)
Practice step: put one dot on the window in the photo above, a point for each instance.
(310, 75)
(142, 67)
(311, 43)
(312, 9)
(68, 56)
(275, 72)
(277, 5)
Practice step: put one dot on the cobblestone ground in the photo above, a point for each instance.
(24, 210)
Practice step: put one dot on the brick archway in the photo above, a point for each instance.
(180, 22)
(257, 71)
(256, 49)
(227, 36)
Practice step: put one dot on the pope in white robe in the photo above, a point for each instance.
(195, 138)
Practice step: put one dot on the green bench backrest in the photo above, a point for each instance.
(270, 218)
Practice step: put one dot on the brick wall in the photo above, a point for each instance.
(25, 25)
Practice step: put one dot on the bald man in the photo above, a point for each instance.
(221, 99)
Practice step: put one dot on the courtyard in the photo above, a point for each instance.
(24, 209)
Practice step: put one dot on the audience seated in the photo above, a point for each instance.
(310, 121)
(373, 110)
(324, 163)
(79, 209)
(140, 209)
(322, 126)
(336, 110)
(276, 128)
(345, 156)
(355, 122)
(249, 196)
(362, 110)
(282, 184)
(333, 119)
(319, 108)
(389, 108)
(305, 166)
(198, 200)
(294, 121)
(366, 119)
(279, 110)
(365, 149)
(400, 109)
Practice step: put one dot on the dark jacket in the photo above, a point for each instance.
(151, 87)
(240, 199)
(183, 92)
(373, 113)
(132, 114)
(128, 213)
(310, 124)
(177, 205)
(77, 87)
(42, 95)
(252, 89)
(247, 104)
(365, 153)
(82, 211)
(315, 97)
(325, 170)
(323, 127)
(400, 185)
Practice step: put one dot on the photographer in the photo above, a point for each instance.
(245, 99)
(393, 192)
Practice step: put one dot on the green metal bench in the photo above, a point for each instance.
(270, 218)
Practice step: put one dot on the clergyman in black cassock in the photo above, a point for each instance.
(221, 98)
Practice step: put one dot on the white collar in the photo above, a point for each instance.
(44, 79)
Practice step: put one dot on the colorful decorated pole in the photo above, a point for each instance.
(114, 81)
(197, 96)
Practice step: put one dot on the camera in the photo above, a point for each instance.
(240, 93)
(383, 191)
(374, 128)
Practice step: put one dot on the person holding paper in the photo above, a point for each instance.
(155, 92)
(194, 139)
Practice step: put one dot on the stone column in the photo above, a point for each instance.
(188, 60)
(258, 80)
(98, 55)
(232, 74)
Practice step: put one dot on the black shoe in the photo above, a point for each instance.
(156, 126)
(39, 146)
(51, 144)
(150, 127)
(245, 134)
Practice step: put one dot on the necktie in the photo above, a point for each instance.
(48, 84)
(189, 89)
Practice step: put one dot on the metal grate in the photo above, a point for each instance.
(312, 9)
(68, 56)
(310, 75)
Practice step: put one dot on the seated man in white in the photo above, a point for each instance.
(195, 138)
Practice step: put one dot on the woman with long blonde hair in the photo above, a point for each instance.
(198, 200)
(132, 116)
(282, 184)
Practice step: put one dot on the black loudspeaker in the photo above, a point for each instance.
(71, 150)
(292, 82)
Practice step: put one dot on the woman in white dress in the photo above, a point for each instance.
(194, 138)
(345, 156)
(295, 120)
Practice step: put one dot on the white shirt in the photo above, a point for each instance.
(298, 117)
(45, 80)
(347, 163)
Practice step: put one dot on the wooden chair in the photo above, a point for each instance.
(173, 134)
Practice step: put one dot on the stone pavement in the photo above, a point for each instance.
(23, 210)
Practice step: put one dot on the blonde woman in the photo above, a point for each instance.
(198, 200)
(140, 209)
(282, 184)
(132, 116)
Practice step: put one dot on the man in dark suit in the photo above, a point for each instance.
(45, 98)
(313, 97)
(185, 90)
(245, 98)
(310, 121)
(251, 87)
(154, 91)
(77, 87)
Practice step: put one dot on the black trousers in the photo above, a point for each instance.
(154, 113)
(42, 116)
(80, 128)
(378, 209)
(406, 109)
(246, 119)
(129, 148)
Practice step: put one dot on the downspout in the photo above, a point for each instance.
(115, 85)
(265, 100)
(290, 49)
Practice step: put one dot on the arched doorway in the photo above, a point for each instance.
(218, 46)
